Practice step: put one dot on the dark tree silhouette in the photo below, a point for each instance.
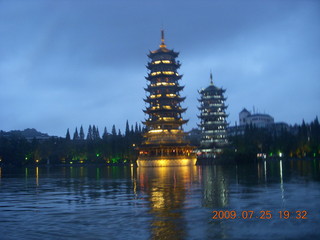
(76, 135)
(81, 134)
(68, 135)
(89, 134)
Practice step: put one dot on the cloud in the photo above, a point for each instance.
(67, 63)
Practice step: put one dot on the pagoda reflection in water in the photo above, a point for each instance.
(166, 189)
(173, 196)
(165, 143)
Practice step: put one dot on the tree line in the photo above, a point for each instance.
(121, 148)
(298, 142)
(110, 148)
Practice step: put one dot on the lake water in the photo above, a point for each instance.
(163, 202)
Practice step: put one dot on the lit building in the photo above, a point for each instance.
(165, 141)
(259, 120)
(213, 122)
(256, 119)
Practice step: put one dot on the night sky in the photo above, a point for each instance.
(64, 64)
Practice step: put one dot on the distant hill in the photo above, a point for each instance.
(29, 134)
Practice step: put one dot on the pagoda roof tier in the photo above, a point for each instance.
(208, 123)
(214, 132)
(164, 110)
(153, 99)
(212, 89)
(210, 98)
(213, 108)
(154, 88)
(163, 63)
(218, 143)
(166, 133)
(213, 123)
(163, 50)
(173, 121)
(207, 116)
(212, 119)
(183, 145)
(163, 74)
(212, 114)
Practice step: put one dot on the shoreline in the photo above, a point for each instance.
(200, 162)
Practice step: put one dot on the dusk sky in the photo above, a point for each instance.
(64, 64)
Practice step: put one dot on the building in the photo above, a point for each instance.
(165, 141)
(213, 122)
(256, 119)
(260, 120)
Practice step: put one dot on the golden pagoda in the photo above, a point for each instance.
(165, 143)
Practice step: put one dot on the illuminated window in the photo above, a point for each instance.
(168, 119)
(168, 72)
(155, 96)
(163, 61)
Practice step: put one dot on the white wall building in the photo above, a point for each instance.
(256, 119)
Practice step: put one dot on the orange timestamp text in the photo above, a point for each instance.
(263, 214)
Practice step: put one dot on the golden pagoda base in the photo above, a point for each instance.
(167, 161)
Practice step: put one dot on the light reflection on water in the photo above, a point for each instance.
(159, 203)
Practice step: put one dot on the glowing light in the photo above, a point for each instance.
(166, 162)
(37, 176)
(155, 73)
(163, 72)
(175, 130)
(155, 131)
(163, 84)
(163, 61)
(115, 160)
(168, 118)
(158, 199)
(155, 96)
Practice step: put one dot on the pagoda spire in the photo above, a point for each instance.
(211, 81)
(162, 45)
